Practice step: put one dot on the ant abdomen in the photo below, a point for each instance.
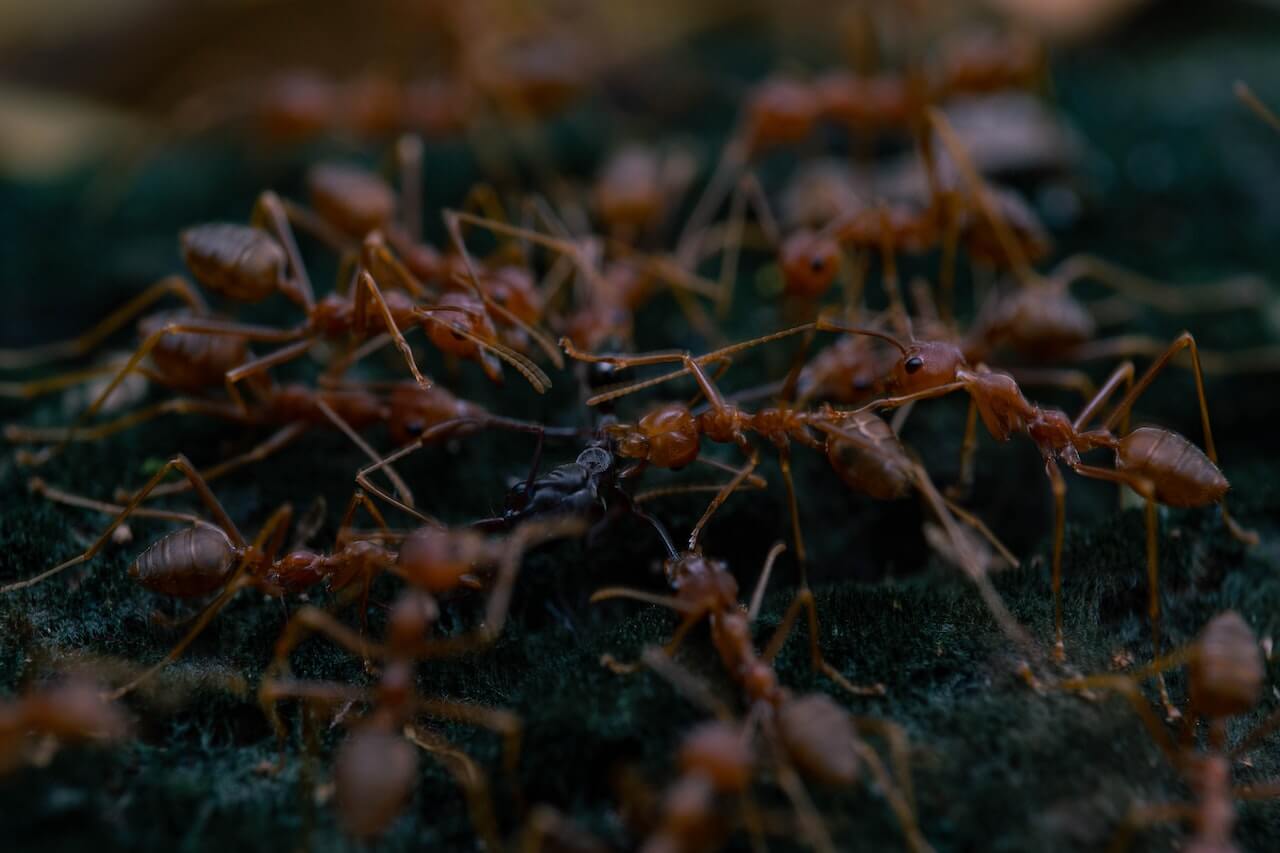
(240, 262)
(1180, 473)
(191, 361)
(1226, 672)
(373, 774)
(352, 200)
(186, 563)
(878, 467)
(819, 738)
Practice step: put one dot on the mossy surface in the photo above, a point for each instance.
(995, 765)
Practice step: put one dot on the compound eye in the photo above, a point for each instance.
(817, 263)
(414, 427)
(914, 363)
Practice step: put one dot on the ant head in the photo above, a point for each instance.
(810, 262)
(718, 750)
(631, 442)
(924, 365)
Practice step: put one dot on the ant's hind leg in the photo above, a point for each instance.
(470, 778)
(1146, 490)
(1184, 341)
(1059, 487)
(18, 359)
(202, 489)
(804, 600)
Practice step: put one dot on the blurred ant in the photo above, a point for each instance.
(375, 768)
(68, 711)
(1225, 672)
(810, 732)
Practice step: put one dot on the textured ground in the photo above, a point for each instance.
(1180, 182)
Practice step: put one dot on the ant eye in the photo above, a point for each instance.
(414, 427)
(914, 363)
(817, 263)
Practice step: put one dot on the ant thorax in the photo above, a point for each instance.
(723, 424)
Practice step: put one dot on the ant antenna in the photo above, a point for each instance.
(835, 326)
(662, 531)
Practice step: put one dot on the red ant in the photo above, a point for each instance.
(1225, 672)
(862, 449)
(811, 731)
(1160, 465)
(215, 558)
(71, 710)
(374, 770)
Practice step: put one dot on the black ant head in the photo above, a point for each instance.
(925, 365)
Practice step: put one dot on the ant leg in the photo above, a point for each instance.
(1126, 685)
(433, 433)
(17, 359)
(807, 814)
(1121, 375)
(276, 441)
(261, 365)
(453, 223)
(470, 778)
(17, 434)
(900, 802)
(804, 600)
(349, 431)
(57, 382)
(269, 209)
(968, 447)
(499, 720)
(409, 156)
(889, 278)
(625, 360)
(723, 495)
(1260, 731)
(1059, 487)
(899, 750)
(368, 287)
(793, 504)
(1145, 489)
(749, 193)
(312, 620)
(1229, 294)
(757, 595)
(193, 325)
(947, 267)
(1142, 815)
(525, 537)
(980, 197)
(39, 487)
(1183, 341)
(202, 489)
(667, 650)
(273, 691)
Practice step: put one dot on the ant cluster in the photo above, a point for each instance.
(555, 298)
